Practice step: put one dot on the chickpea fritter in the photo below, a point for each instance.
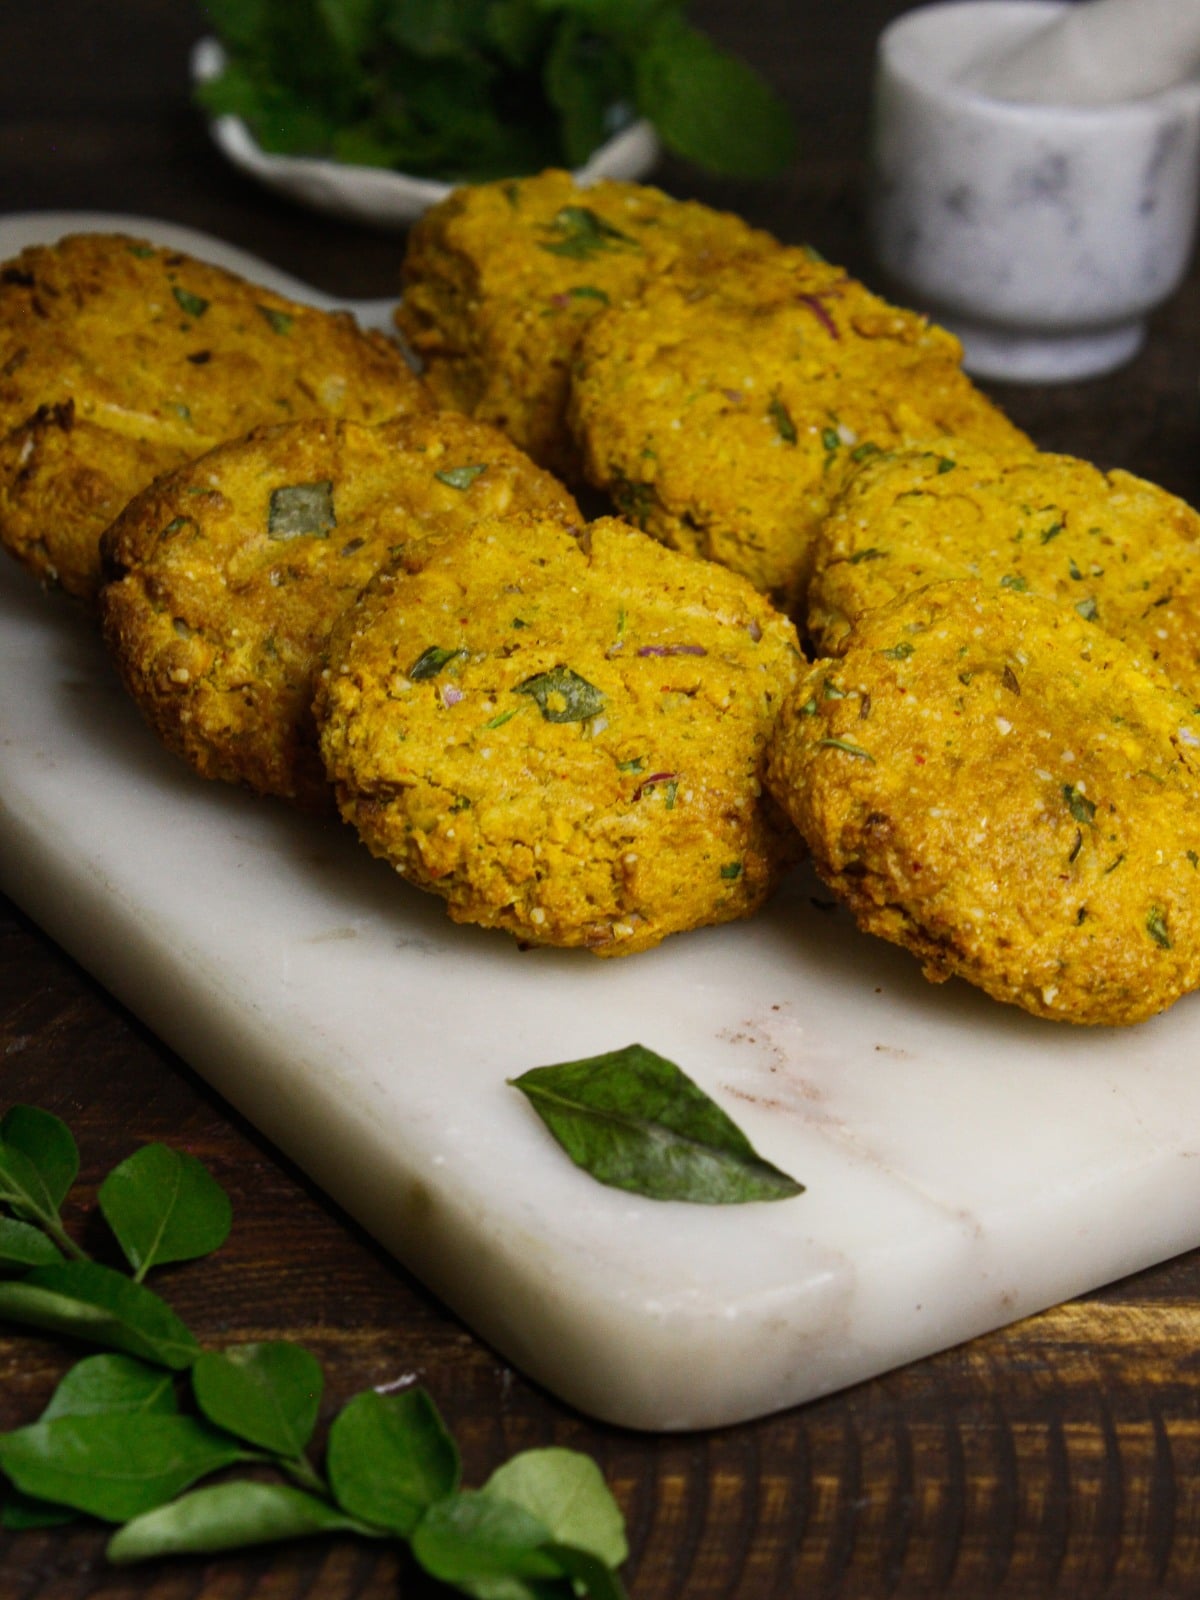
(723, 417)
(997, 784)
(119, 360)
(501, 279)
(562, 735)
(1118, 550)
(228, 574)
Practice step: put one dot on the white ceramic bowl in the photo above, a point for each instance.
(373, 195)
(1042, 235)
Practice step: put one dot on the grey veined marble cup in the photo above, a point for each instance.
(1041, 234)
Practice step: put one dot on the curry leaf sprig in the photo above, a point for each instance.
(467, 90)
(131, 1431)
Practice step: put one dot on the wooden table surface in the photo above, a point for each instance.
(1058, 1457)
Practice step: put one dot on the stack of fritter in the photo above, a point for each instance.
(318, 584)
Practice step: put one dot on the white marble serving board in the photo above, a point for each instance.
(966, 1164)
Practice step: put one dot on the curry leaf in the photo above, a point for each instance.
(472, 1538)
(23, 1245)
(390, 1458)
(164, 1205)
(633, 1120)
(567, 1493)
(103, 1384)
(562, 695)
(228, 1516)
(268, 1393)
(92, 1302)
(39, 1162)
(114, 1465)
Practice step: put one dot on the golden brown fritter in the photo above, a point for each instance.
(119, 360)
(562, 736)
(1119, 551)
(996, 784)
(501, 279)
(229, 572)
(723, 418)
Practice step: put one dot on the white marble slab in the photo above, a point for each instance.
(965, 1164)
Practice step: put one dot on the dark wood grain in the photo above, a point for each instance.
(1060, 1457)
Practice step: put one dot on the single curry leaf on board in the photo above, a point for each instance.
(229, 1516)
(267, 1393)
(634, 1121)
(114, 1465)
(88, 1301)
(390, 1458)
(164, 1205)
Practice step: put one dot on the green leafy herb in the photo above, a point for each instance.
(501, 718)
(177, 525)
(1156, 927)
(430, 662)
(391, 1459)
(899, 652)
(193, 304)
(562, 695)
(478, 91)
(267, 1394)
(102, 1384)
(634, 1121)
(461, 477)
(24, 1245)
(229, 1516)
(1015, 582)
(544, 1515)
(38, 1164)
(296, 510)
(578, 232)
(164, 1206)
(732, 871)
(1078, 804)
(114, 1465)
(280, 322)
(129, 1433)
(1087, 609)
(870, 554)
(845, 746)
(782, 418)
(88, 1301)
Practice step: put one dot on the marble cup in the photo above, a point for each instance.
(1042, 235)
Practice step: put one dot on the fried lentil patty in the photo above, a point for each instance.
(996, 784)
(228, 573)
(119, 360)
(562, 735)
(722, 417)
(500, 280)
(1119, 551)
